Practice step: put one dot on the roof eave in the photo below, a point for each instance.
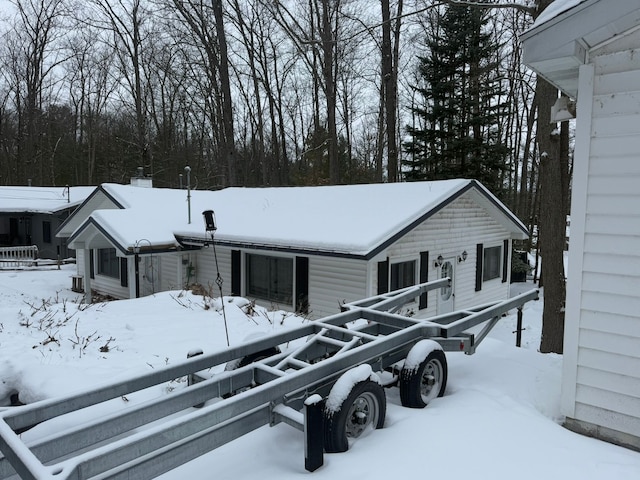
(556, 49)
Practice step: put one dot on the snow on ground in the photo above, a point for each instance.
(499, 418)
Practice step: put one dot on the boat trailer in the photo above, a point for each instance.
(324, 378)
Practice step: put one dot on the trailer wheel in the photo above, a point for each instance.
(364, 408)
(419, 385)
(244, 361)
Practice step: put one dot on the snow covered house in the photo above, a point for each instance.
(31, 215)
(590, 49)
(300, 248)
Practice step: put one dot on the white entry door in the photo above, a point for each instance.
(446, 295)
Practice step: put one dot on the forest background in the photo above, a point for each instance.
(291, 92)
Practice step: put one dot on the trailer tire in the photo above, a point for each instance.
(244, 361)
(365, 407)
(418, 386)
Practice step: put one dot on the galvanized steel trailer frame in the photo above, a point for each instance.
(132, 443)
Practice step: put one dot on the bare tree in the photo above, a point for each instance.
(205, 21)
(31, 52)
(89, 72)
(128, 24)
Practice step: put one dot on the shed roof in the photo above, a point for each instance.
(560, 39)
(22, 199)
(354, 220)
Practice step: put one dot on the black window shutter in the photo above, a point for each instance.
(424, 277)
(383, 277)
(236, 273)
(302, 284)
(505, 259)
(92, 273)
(479, 258)
(124, 273)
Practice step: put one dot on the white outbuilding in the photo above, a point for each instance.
(590, 49)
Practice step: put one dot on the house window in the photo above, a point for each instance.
(491, 262)
(108, 263)
(403, 274)
(270, 278)
(46, 232)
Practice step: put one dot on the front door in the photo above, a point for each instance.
(446, 295)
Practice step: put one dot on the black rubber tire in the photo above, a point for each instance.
(261, 355)
(365, 406)
(419, 386)
(249, 359)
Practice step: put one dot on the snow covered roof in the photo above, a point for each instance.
(563, 34)
(555, 9)
(347, 219)
(41, 199)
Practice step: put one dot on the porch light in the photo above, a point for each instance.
(439, 261)
(462, 257)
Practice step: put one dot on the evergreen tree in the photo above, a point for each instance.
(458, 133)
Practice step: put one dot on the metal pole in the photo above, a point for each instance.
(188, 170)
(519, 328)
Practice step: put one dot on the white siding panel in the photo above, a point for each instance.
(611, 264)
(622, 103)
(615, 126)
(613, 224)
(607, 400)
(620, 184)
(623, 285)
(607, 243)
(606, 302)
(109, 286)
(206, 272)
(627, 58)
(602, 416)
(621, 165)
(613, 382)
(617, 203)
(616, 82)
(333, 281)
(610, 342)
(169, 279)
(608, 322)
(614, 147)
(610, 362)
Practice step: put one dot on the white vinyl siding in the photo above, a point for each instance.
(601, 384)
(333, 281)
(169, 275)
(458, 227)
(205, 269)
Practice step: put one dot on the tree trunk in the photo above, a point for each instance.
(551, 221)
(228, 141)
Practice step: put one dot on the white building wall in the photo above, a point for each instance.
(206, 272)
(601, 380)
(458, 227)
(334, 281)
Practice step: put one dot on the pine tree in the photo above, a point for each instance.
(458, 133)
